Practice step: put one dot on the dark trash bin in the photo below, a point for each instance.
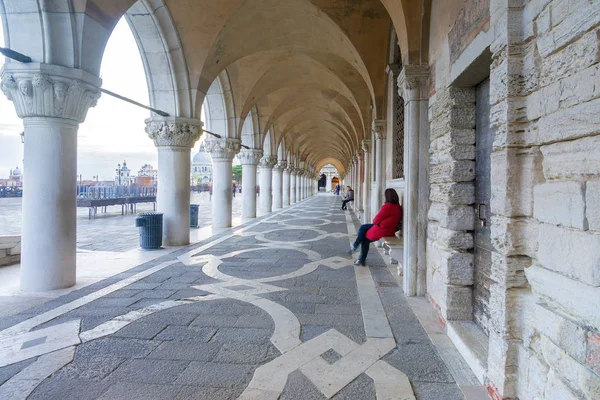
(150, 225)
(194, 215)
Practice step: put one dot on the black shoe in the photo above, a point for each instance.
(361, 263)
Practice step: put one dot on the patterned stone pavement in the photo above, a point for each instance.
(271, 309)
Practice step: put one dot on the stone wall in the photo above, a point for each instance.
(452, 171)
(10, 250)
(544, 340)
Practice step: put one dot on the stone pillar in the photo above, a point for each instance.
(52, 101)
(299, 173)
(380, 137)
(366, 145)
(412, 85)
(286, 187)
(222, 152)
(174, 138)
(328, 182)
(359, 181)
(293, 176)
(266, 180)
(278, 185)
(249, 160)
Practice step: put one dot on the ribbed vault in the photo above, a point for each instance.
(311, 71)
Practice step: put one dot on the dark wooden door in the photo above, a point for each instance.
(483, 244)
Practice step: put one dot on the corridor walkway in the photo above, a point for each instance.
(271, 309)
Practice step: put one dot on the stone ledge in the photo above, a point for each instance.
(10, 250)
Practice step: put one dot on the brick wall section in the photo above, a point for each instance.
(452, 194)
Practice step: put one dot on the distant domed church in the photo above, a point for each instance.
(201, 167)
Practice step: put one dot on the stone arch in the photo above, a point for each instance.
(161, 50)
(220, 110)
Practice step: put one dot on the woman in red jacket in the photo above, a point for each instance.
(384, 224)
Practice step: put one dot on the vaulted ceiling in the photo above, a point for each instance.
(314, 69)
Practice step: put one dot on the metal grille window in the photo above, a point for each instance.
(399, 139)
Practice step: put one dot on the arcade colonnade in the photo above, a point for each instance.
(481, 114)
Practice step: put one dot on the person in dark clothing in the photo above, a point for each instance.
(384, 224)
(349, 197)
(337, 189)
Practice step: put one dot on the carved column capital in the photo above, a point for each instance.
(366, 145)
(223, 149)
(413, 82)
(281, 165)
(45, 90)
(174, 131)
(378, 127)
(250, 157)
(268, 161)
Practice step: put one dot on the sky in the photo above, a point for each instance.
(113, 130)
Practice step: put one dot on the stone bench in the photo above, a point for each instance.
(393, 246)
(10, 250)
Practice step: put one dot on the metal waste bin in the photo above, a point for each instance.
(150, 225)
(194, 215)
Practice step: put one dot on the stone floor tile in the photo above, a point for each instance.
(149, 371)
(245, 335)
(68, 389)
(242, 353)
(116, 347)
(299, 386)
(420, 362)
(436, 391)
(140, 391)
(186, 334)
(200, 393)
(140, 330)
(94, 368)
(216, 375)
(173, 350)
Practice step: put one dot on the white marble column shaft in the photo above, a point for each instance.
(367, 218)
(286, 187)
(249, 160)
(278, 185)
(412, 85)
(222, 152)
(174, 137)
(266, 180)
(293, 176)
(299, 185)
(52, 101)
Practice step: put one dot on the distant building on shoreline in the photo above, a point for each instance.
(15, 178)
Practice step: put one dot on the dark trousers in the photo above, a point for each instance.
(361, 239)
(344, 202)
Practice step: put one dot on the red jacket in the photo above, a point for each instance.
(386, 222)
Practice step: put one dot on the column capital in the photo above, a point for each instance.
(281, 165)
(223, 149)
(360, 155)
(268, 161)
(366, 145)
(412, 82)
(174, 131)
(46, 90)
(378, 127)
(249, 157)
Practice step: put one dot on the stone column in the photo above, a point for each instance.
(222, 152)
(174, 138)
(278, 185)
(299, 173)
(412, 85)
(359, 180)
(52, 101)
(249, 160)
(293, 176)
(266, 179)
(380, 137)
(286, 186)
(366, 145)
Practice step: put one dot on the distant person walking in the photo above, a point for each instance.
(349, 197)
(337, 189)
(234, 189)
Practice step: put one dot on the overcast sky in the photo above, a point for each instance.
(113, 130)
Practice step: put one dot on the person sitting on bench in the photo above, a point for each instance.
(349, 197)
(384, 224)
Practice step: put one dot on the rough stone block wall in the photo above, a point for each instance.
(452, 194)
(546, 170)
